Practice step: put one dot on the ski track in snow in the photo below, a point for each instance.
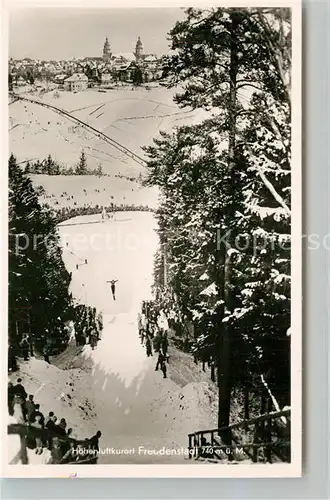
(134, 405)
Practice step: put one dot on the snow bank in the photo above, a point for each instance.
(60, 391)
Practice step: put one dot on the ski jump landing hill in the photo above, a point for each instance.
(119, 123)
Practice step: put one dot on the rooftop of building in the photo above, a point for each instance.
(77, 77)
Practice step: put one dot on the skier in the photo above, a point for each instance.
(113, 288)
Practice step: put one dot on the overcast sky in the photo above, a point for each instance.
(48, 33)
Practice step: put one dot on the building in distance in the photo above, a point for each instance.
(76, 83)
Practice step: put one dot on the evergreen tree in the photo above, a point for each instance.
(99, 170)
(38, 280)
(81, 168)
(230, 175)
(137, 76)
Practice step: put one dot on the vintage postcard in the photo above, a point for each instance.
(153, 286)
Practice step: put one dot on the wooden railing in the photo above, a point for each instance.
(25, 431)
(272, 438)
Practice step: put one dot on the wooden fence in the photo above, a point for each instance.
(270, 440)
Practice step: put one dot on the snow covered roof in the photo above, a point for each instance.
(77, 77)
(150, 58)
(129, 56)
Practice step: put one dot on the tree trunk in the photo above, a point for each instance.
(246, 403)
(224, 381)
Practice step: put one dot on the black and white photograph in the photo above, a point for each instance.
(154, 259)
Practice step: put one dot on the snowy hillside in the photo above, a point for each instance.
(79, 190)
(132, 117)
(134, 405)
(60, 391)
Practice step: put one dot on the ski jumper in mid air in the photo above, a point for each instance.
(113, 288)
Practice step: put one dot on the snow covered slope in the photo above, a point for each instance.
(62, 392)
(134, 406)
(132, 117)
(79, 190)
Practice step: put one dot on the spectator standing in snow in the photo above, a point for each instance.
(161, 359)
(38, 425)
(24, 344)
(37, 413)
(19, 389)
(157, 341)
(30, 407)
(49, 418)
(164, 343)
(51, 426)
(10, 398)
(18, 412)
(94, 441)
(148, 347)
(56, 452)
(163, 368)
(61, 427)
(12, 363)
(46, 353)
(94, 445)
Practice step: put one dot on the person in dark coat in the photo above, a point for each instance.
(25, 348)
(37, 413)
(61, 427)
(12, 363)
(38, 425)
(56, 451)
(49, 418)
(10, 398)
(163, 368)
(94, 445)
(46, 353)
(148, 347)
(164, 344)
(19, 389)
(161, 359)
(30, 407)
(51, 426)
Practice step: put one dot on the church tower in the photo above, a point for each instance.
(106, 51)
(138, 50)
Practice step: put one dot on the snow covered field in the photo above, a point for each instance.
(132, 117)
(91, 191)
